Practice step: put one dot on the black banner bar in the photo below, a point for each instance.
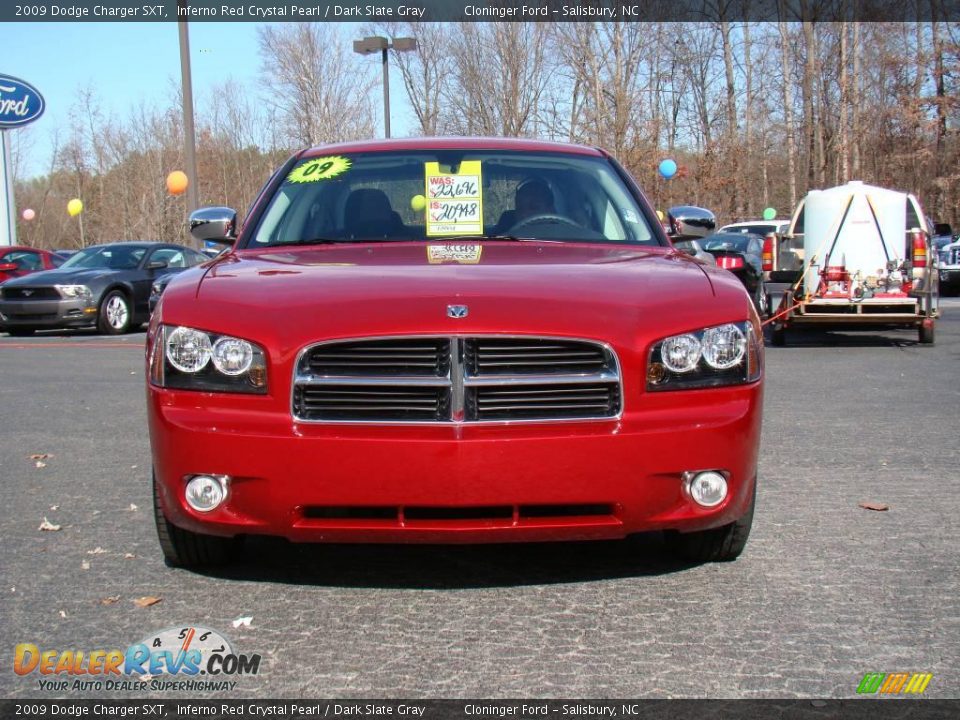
(476, 10)
(872, 708)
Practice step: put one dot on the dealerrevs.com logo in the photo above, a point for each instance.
(185, 658)
(894, 683)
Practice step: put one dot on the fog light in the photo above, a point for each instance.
(206, 492)
(707, 489)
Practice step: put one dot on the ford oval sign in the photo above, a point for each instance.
(20, 103)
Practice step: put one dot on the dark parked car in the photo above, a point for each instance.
(740, 253)
(106, 286)
(18, 261)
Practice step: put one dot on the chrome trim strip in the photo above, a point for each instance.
(456, 342)
(399, 380)
(458, 399)
(496, 380)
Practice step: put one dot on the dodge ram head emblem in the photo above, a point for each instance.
(457, 311)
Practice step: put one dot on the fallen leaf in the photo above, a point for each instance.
(110, 600)
(62, 614)
(133, 508)
(85, 565)
(146, 601)
(96, 551)
(879, 507)
(245, 621)
(47, 525)
(128, 556)
(40, 456)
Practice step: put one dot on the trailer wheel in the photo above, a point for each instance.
(927, 332)
(721, 544)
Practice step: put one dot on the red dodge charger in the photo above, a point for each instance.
(453, 341)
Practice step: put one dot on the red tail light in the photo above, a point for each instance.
(730, 262)
(919, 250)
(767, 256)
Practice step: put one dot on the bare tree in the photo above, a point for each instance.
(319, 90)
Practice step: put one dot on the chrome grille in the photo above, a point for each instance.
(28, 293)
(456, 380)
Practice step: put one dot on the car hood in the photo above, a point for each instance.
(82, 276)
(549, 288)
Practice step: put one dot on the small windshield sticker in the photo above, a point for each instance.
(463, 254)
(322, 168)
(454, 200)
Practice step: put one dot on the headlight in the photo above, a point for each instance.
(74, 291)
(714, 356)
(190, 359)
(156, 288)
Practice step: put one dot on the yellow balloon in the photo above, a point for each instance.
(418, 203)
(75, 207)
(177, 182)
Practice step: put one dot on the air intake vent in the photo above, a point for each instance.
(533, 356)
(535, 402)
(366, 402)
(411, 357)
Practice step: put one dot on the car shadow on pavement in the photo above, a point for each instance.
(450, 566)
(807, 338)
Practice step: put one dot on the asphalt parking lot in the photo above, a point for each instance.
(825, 592)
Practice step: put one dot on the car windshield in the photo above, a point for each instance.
(427, 194)
(105, 258)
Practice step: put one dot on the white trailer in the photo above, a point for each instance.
(866, 260)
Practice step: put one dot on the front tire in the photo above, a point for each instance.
(115, 313)
(184, 549)
(722, 544)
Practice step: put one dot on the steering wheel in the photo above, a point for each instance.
(544, 218)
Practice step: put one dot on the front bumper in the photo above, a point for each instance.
(47, 313)
(459, 483)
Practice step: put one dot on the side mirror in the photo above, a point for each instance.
(218, 224)
(157, 265)
(8, 267)
(690, 222)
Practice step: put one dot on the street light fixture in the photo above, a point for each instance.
(379, 44)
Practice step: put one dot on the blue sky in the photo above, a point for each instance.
(129, 63)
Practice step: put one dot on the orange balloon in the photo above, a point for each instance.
(177, 182)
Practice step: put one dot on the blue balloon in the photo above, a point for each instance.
(667, 168)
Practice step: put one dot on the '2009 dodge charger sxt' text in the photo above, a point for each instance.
(452, 341)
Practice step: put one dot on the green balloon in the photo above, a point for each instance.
(769, 214)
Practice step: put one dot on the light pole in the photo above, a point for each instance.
(189, 136)
(379, 44)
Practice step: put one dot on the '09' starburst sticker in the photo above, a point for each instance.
(322, 168)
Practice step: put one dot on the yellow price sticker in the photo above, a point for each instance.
(322, 168)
